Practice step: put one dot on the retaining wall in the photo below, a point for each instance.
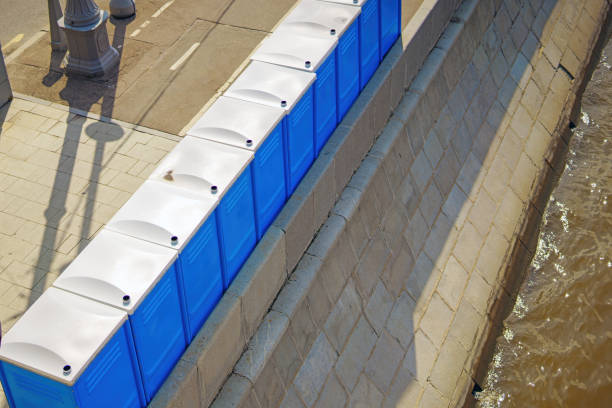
(422, 193)
(5, 87)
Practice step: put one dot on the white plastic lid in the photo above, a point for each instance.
(296, 50)
(113, 266)
(271, 85)
(59, 330)
(160, 212)
(358, 3)
(319, 18)
(237, 123)
(203, 166)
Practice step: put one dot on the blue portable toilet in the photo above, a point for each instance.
(257, 128)
(390, 23)
(311, 54)
(324, 19)
(180, 219)
(369, 41)
(222, 171)
(290, 89)
(67, 351)
(139, 278)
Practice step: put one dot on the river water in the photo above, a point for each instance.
(556, 345)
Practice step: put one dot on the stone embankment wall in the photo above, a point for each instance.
(422, 194)
(5, 87)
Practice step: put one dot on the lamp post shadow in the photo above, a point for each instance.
(81, 93)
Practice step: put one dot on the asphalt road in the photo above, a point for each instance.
(20, 19)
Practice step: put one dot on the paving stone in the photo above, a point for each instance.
(383, 362)
(343, 317)
(537, 144)
(482, 212)
(521, 122)
(477, 293)
(420, 357)
(317, 365)
(468, 246)
(452, 283)
(497, 177)
(448, 366)
(291, 400)
(433, 149)
(436, 320)
(416, 232)
(286, 359)
(421, 171)
(365, 395)
(510, 148)
(405, 390)
(509, 214)
(400, 324)
(447, 172)
(523, 177)
(356, 353)
(333, 394)
(430, 204)
(269, 387)
(465, 325)
(373, 262)
(440, 241)
(379, 306)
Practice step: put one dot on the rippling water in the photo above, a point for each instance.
(556, 347)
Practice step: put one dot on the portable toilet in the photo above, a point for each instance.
(257, 128)
(290, 89)
(139, 278)
(324, 19)
(69, 351)
(311, 54)
(181, 219)
(221, 171)
(369, 41)
(390, 23)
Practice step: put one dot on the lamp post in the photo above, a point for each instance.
(58, 39)
(89, 52)
(122, 8)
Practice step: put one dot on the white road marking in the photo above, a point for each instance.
(135, 33)
(15, 40)
(186, 55)
(162, 8)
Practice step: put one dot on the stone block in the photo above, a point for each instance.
(457, 104)
(236, 392)
(383, 362)
(297, 221)
(433, 149)
(416, 232)
(462, 141)
(549, 117)
(319, 303)
(430, 204)
(518, 32)
(446, 173)
(371, 265)
(181, 389)
(420, 357)
(447, 369)
(286, 359)
(478, 293)
(452, 283)
(396, 274)
(291, 400)
(333, 394)
(260, 279)
(356, 353)
(524, 177)
(456, 206)
(405, 390)
(466, 325)
(441, 240)
(394, 223)
(379, 306)
(509, 214)
(492, 256)
(400, 324)
(436, 320)
(421, 171)
(317, 365)
(269, 388)
(260, 347)
(471, 176)
(521, 122)
(482, 212)
(468, 246)
(538, 144)
(217, 346)
(322, 184)
(497, 178)
(510, 148)
(365, 395)
(343, 317)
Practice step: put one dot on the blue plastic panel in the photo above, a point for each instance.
(369, 41)
(236, 223)
(348, 69)
(325, 94)
(158, 332)
(200, 275)
(112, 379)
(269, 188)
(390, 20)
(299, 140)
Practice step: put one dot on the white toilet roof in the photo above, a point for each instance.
(235, 122)
(114, 265)
(159, 211)
(60, 329)
(271, 85)
(318, 18)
